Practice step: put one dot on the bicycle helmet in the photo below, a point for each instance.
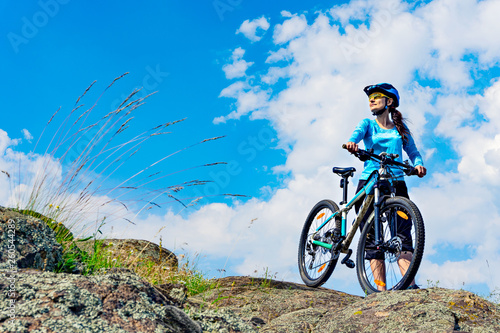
(386, 89)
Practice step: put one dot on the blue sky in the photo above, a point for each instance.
(282, 81)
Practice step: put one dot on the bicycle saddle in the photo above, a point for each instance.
(344, 172)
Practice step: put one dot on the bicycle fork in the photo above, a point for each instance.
(376, 211)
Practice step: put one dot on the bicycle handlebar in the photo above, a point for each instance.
(386, 159)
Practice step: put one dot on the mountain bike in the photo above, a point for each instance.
(391, 243)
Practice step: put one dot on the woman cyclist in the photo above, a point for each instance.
(386, 133)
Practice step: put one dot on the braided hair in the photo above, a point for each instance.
(399, 122)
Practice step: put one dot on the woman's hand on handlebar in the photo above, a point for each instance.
(351, 147)
(421, 170)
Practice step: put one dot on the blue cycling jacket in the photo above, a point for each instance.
(387, 140)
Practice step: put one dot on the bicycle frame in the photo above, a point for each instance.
(372, 192)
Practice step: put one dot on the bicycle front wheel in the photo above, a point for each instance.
(393, 263)
(316, 263)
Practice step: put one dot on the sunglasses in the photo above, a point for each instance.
(377, 96)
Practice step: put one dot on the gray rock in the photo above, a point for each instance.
(138, 251)
(273, 306)
(118, 302)
(27, 242)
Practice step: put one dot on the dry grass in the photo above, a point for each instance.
(75, 191)
(165, 270)
(70, 188)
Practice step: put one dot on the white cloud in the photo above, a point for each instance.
(355, 10)
(464, 26)
(290, 28)
(274, 74)
(27, 135)
(249, 28)
(248, 99)
(457, 211)
(238, 66)
(281, 54)
(6, 141)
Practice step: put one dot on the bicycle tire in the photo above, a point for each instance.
(410, 222)
(317, 263)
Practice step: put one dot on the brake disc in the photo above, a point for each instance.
(395, 246)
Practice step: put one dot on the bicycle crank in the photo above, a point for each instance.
(348, 262)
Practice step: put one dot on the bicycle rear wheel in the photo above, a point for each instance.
(393, 264)
(316, 263)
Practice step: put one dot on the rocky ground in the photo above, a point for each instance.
(115, 302)
(121, 302)
(34, 299)
(272, 306)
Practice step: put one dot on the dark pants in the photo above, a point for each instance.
(404, 226)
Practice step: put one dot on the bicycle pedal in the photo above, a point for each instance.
(349, 263)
